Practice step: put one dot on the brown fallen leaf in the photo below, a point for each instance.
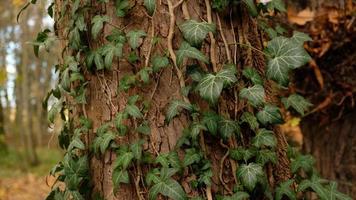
(317, 73)
(300, 18)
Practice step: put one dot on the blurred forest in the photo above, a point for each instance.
(27, 143)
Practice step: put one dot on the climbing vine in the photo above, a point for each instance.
(249, 137)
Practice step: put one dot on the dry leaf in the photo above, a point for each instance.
(302, 17)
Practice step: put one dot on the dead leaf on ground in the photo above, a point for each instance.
(302, 17)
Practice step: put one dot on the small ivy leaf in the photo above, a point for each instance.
(65, 80)
(116, 37)
(242, 154)
(270, 114)
(255, 95)
(264, 138)
(53, 111)
(133, 99)
(237, 196)
(300, 37)
(109, 51)
(123, 160)
(315, 183)
(227, 75)
(187, 51)
(249, 175)
(253, 75)
(106, 139)
(277, 5)
(285, 189)
(40, 40)
(191, 156)
(173, 160)
(135, 38)
(76, 143)
(250, 119)
(195, 32)
(159, 62)
(299, 103)
(136, 149)
(210, 87)
(122, 7)
(195, 129)
(126, 82)
(169, 188)
(264, 156)
(120, 176)
(210, 120)
(133, 111)
(98, 24)
(286, 54)
(304, 162)
(228, 127)
(175, 107)
(150, 6)
(144, 74)
(144, 128)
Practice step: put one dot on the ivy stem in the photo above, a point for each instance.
(249, 46)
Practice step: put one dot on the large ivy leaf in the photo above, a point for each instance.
(175, 107)
(253, 75)
(315, 183)
(227, 74)
(135, 38)
(264, 138)
(269, 114)
(286, 54)
(249, 175)
(250, 119)
(210, 120)
(120, 176)
(299, 103)
(187, 51)
(98, 24)
(169, 188)
(305, 162)
(228, 127)
(242, 154)
(123, 160)
(195, 32)
(334, 194)
(285, 189)
(150, 6)
(255, 95)
(264, 156)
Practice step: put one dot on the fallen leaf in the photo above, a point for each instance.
(302, 17)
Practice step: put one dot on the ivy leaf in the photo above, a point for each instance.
(264, 156)
(159, 62)
(175, 107)
(227, 75)
(249, 175)
(187, 51)
(255, 95)
(144, 128)
(237, 196)
(300, 37)
(109, 51)
(284, 189)
(97, 24)
(191, 156)
(269, 114)
(136, 149)
(334, 194)
(299, 103)
(250, 119)
(286, 54)
(54, 110)
(195, 129)
(242, 154)
(210, 87)
(134, 38)
(228, 127)
(133, 111)
(120, 176)
(264, 138)
(169, 188)
(251, 7)
(121, 7)
(277, 5)
(253, 75)
(150, 6)
(144, 74)
(76, 143)
(123, 160)
(210, 120)
(106, 139)
(304, 162)
(315, 183)
(195, 32)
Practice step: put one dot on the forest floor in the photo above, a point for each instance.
(21, 182)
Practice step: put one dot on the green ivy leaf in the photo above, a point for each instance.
(277, 5)
(255, 95)
(228, 127)
(242, 154)
(237, 196)
(144, 74)
(122, 6)
(333, 194)
(109, 51)
(195, 129)
(54, 110)
(169, 188)
(98, 24)
(159, 62)
(315, 183)
(250, 119)
(76, 143)
(264, 156)
(251, 7)
(135, 38)
(210, 120)
(120, 176)
(269, 114)
(133, 111)
(285, 189)
(187, 51)
(227, 74)
(144, 128)
(300, 37)
(106, 139)
(253, 75)
(136, 149)
(249, 175)
(175, 107)
(195, 32)
(123, 160)
(264, 138)
(304, 162)
(191, 156)
(286, 54)
(150, 6)
(297, 102)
